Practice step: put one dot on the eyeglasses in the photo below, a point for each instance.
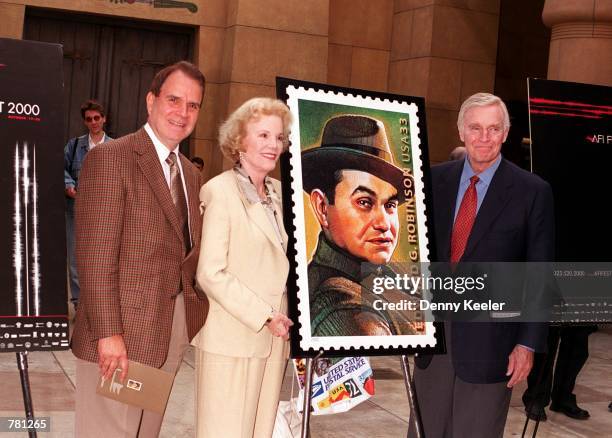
(94, 119)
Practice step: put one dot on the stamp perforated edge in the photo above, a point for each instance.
(307, 342)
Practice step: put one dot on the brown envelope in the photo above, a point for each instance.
(144, 386)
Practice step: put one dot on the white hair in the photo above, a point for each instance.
(483, 99)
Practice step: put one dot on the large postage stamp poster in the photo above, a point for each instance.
(355, 192)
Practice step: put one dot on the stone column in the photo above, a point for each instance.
(444, 51)
(581, 40)
(209, 56)
(242, 51)
(12, 16)
(359, 43)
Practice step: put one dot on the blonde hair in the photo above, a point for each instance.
(482, 99)
(233, 129)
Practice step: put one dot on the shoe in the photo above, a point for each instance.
(536, 413)
(570, 409)
(610, 407)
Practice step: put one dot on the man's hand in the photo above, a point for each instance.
(112, 354)
(279, 326)
(70, 192)
(520, 362)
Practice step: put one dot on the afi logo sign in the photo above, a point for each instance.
(600, 138)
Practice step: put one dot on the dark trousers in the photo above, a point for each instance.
(452, 408)
(544, 385)
(75, 289)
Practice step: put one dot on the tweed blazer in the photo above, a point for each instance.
(243, 270)
(130, 251)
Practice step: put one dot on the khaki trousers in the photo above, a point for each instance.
(237, 397)
(101, 417)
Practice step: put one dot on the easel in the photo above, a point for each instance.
(535, 429)
(530, 407)
(412, 401)
(22, 364)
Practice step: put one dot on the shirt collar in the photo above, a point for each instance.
(160, 148)
(90, 142)
(485, 176)
(248, 188)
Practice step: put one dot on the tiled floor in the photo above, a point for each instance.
(384, 415)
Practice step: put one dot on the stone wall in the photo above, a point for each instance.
(443, 50)
(360, 43)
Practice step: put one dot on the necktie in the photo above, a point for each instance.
(178, 197)
(464, 221)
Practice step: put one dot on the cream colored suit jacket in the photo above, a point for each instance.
(242, 269)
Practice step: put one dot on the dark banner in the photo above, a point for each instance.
(33, 308)
(571, 136)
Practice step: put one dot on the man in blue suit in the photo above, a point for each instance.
(485, 210)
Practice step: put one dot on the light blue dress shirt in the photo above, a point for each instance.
(481, 186)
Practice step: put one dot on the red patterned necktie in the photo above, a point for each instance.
(464, 221)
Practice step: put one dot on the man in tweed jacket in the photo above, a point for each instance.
(135, 259)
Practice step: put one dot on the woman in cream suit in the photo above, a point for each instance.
(242, 349)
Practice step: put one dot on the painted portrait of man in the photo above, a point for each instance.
(355, 190)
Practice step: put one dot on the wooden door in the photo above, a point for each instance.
(111, 60)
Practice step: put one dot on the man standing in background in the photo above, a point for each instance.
(94, 117)
(198, 162)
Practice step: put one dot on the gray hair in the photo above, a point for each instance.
(482, 99)
(457, 154)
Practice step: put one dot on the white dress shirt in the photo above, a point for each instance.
(162, 154)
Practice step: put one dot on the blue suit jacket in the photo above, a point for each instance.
(515, 223)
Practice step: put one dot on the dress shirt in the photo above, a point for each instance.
(162, 153)
(482, 185)
(92, 144)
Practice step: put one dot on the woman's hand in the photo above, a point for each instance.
(279, 325)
